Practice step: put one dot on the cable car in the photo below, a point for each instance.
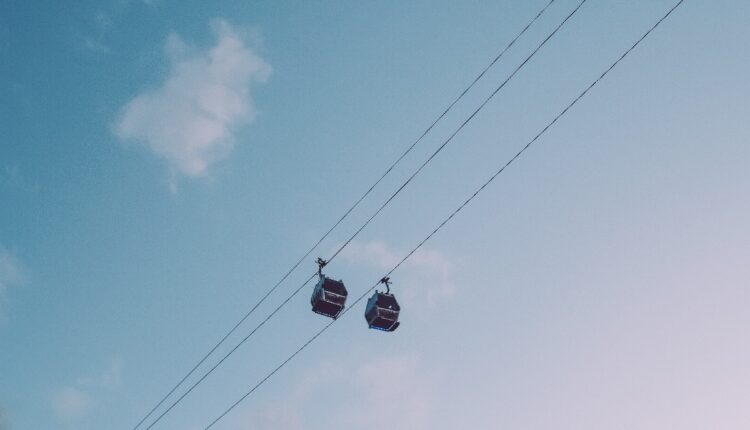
(382, 310)
(329, 296)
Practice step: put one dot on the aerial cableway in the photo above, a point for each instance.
(329, 295)
(382, 309)
(452, 214)
(366, 223)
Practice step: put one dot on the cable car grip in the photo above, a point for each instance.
(321, 264)
(387, 281)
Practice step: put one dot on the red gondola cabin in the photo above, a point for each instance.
(382, 312)
(329, 297)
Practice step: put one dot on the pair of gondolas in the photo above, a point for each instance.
(329, 299)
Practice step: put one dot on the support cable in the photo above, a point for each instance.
(344, 216)
(450, 217)
(380, 209)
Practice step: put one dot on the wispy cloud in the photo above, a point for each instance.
(394, 386)
(103, 20)
(397, 387)
(275, 417)
(109, 378)
(93, 33)
(95, 45)
(190, 120)
(12, 273)
(3, 420)
(13, 179)
(4, 37)
(77, 399)
(427, 273)
(285, 415)
(71, 402)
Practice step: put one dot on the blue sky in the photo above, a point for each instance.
(163, 163)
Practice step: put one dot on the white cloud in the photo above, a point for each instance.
(3, 422)
(108, 378)
(384, 391)
(191, 118)
(12, 273)
(71, 402)
(95, 45)
(92, 34)
(11, 176)
(427, 273)
(396, 387)
(4, 38)
(278, 417)
(103, 20)
(76, 399)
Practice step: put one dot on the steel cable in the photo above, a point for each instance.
(450, 217)
(345, 215)
(383, 205)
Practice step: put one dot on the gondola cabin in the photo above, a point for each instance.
(329, 297)
(382, 312)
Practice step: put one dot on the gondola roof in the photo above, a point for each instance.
(387, 301)
(334, 286)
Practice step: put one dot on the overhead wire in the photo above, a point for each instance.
(377, 212)
(460, 127)
(344, 216)
(454, 213)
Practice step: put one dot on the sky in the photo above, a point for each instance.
(163, 163)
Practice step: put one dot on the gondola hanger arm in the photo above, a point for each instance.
(387, 282)
(321, 264)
